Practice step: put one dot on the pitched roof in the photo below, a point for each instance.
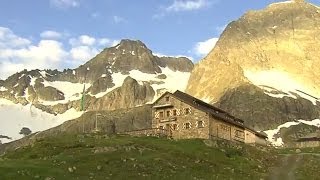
(212, 110)
(310, 137)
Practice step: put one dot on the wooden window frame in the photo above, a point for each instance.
(202, 124)
(161, 113)
(167, 113)
(187, 127)
(174, 112)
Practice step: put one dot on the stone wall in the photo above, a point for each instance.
(225, 130)
(180, 119)
(306, 144)
(148, 132)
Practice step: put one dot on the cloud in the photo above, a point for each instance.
(204, 47)
(9, 40)
(118, 19)
(82, 40)
(83, 53)
(220, 29)
(46, 54)
(183, 5)
(50, 35)
(187, 5)
(18, 53)
(95, 15)
(65, 3)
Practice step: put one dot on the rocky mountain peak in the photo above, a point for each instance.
(131, 44)
(264, 68)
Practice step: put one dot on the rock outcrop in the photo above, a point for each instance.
(276, 47)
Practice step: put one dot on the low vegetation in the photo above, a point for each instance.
(98, 156)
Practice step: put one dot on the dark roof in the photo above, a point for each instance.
(212, 110)
(310, 137)
(203, 106)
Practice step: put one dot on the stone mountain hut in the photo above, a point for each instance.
(184, 116)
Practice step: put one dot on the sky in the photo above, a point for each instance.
(58, 34)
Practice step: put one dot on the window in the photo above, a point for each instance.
(174, 112)
(187, 111)
(200, 124)
(160, 127)
(187, 125)
(239, 134)
(167, 98)
(225, 127)
(168, 113)
(175, 127)
(161, 115)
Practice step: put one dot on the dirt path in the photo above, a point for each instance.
(288, 166)
(286, 169)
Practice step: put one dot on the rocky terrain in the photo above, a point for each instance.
(264, 69)
(124, 76)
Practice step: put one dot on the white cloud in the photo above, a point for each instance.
(83, 53)
(9, 40)
(82, 40)
(18, 53)
(46, 54)
(65, 3)
(183, 5)
(204, 47)
(50, 35)
(118, 19)
(187, 5)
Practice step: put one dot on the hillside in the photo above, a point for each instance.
(99, 156)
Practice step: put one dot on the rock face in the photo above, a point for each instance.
(263, 112)
(130, 94)
(264, 68)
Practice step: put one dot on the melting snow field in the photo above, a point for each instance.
(69, 90)
(15, 116)
(282, 81)
(175, 80)
(278, 141)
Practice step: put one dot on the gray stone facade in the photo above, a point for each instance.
(185, 118)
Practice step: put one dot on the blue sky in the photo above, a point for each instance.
(66, 33)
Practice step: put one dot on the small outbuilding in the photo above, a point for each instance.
(310, 140)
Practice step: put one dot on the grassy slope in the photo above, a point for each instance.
(123, 157)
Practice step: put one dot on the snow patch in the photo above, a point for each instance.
(132, 52)
(3, 88)
(32, 80)
(175, 80)
(74, 72)
(278, 141)
(16, 116)
(88, 69)
(43, 74)
(104, 75)
(70, 90)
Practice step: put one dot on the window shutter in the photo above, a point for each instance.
(189, 109)
(178, 112)
(157, 115)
